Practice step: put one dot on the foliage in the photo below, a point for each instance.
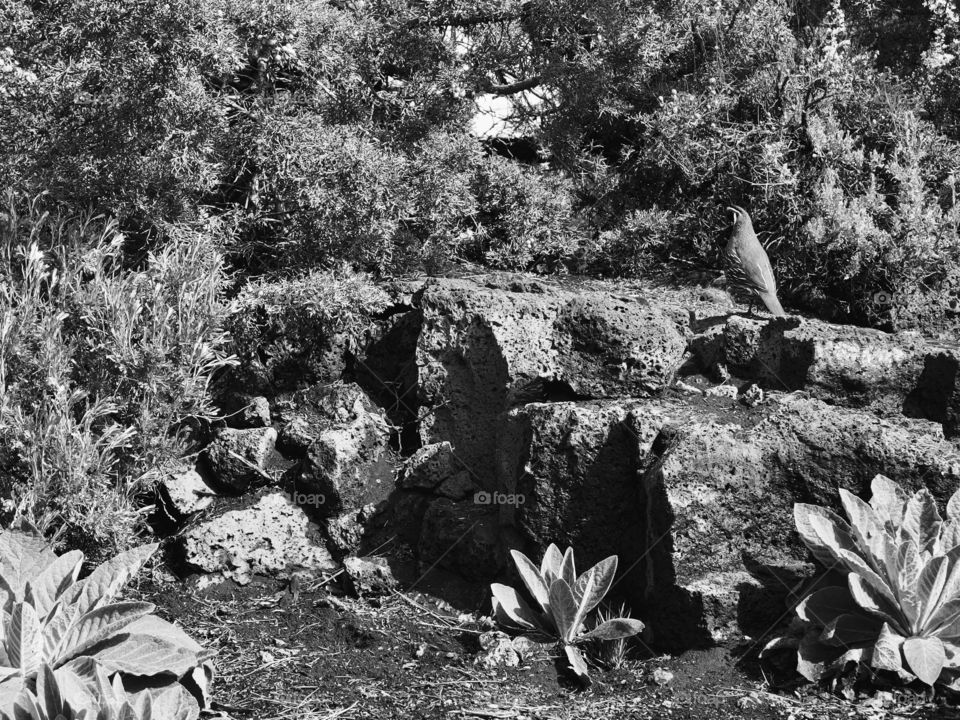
(899, 609)
(53, 621)
(107, 105)
(287, 327)
(84, 692)
(349, 195)
(525, 219)
(340, 132)
(103, 370)
(565, 599)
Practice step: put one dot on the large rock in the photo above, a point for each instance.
(936, 394)
(407, 509)
(303, 415)
(428, 467)
(347, 532)
(482, 350)
(573, 469)
(698, 502)
(246, 411)
(719, 499)
(238, 458)
(370, 576)
(461, 536)
(270, 537)
(348, 462)
(891, 374)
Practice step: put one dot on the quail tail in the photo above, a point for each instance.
(773, 305)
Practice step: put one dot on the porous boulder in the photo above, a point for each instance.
(428, 467)
(238, 458)
(246, 411)
(458, 486)
(484, 349)
(697, 502)
(183, 492)
(462, 536)
(890, 374)
(303, 415)
(571, 471)
(370, 576)
(347, 461)
(347, 532)
(271, 536)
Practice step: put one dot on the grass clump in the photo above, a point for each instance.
(104, 370)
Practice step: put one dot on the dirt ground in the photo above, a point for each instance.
(316, 654)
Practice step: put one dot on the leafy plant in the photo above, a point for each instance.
(899, 609)
(51, 619)
(565, 599)
(104, 369)
(84, 692)
(294, 326)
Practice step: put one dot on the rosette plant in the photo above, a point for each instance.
(899, 607)
(565, 600)
(84, 692)
(62, 627)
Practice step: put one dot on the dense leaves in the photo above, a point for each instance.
(63, 636)
(104, 370)
(899, 610)
(339, 131)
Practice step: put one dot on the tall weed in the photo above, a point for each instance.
(102, 368)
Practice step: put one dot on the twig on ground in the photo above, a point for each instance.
(420, 607)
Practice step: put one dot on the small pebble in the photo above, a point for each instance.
(662, 677)
(722, 391)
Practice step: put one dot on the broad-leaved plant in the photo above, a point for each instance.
(50, 618)
(85, 692)
(564, 599)
(899, 609)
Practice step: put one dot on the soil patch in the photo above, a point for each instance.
(309, 653)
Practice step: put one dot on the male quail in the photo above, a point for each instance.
(747, 265)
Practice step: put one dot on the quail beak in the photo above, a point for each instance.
(734, 212)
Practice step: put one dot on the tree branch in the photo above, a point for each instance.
(514, 87)
(458, 20)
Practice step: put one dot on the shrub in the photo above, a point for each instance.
(346, 194)
(565, 600)
(525, 219)
(295, 328)
(54, 623)
(899, 609)
(110, 107)
(103, 370)
(638, 242)
(324, 193)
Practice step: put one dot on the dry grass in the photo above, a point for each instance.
(314, 655)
